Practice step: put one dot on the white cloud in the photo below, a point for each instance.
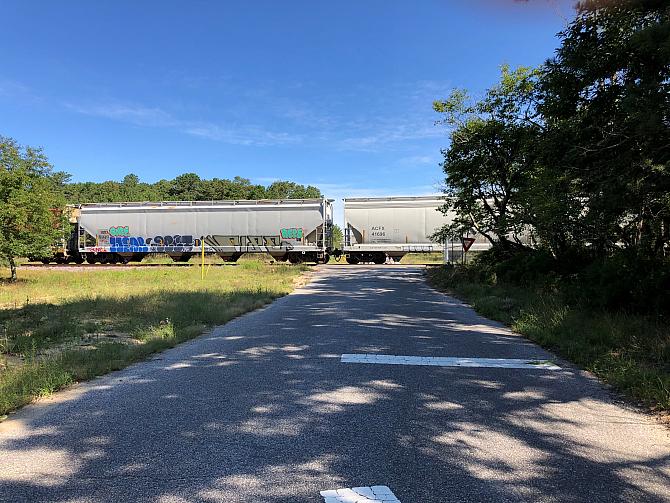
(11, 87)
(17, 91)
(155, 117)
(390, 136)
(245, 135)
(367, 120)
(418, 160)
(133, 114)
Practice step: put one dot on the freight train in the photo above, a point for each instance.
(293, 230)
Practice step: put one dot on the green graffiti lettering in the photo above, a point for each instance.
(119, 230)
(292, 233)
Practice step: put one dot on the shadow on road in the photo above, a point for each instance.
(263, 411)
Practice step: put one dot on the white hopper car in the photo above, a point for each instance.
(297, 230)
(379, 227)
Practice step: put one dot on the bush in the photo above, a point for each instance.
(626, 282)
(514, 266)
(622, 281)
(631, 351)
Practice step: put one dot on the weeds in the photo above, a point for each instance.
(631, 352)
(423, 258)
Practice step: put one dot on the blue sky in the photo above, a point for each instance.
(335, 94)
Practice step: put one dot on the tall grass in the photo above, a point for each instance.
(629, 351)
(72, 325)
(423, 258)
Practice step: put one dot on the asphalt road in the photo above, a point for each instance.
(262, 410)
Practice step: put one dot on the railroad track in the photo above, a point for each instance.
(79, 267)
(116, 266)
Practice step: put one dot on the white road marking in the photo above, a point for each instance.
(372, 494)
(450, 361)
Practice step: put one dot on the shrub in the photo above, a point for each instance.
(625, 281)
(622, 281)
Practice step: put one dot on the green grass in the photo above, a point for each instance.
(423, 258)
(630, 352)
(58, 327)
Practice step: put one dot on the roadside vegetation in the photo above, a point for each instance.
(565, 169)
(29, 191)
(629, 350)
(58, 327)
(423, 258)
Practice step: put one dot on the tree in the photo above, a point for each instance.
(488, 165)
(290, 190)
(28, 197)
(338, 237)
(186, 187)
(131, 180)
(606, 102)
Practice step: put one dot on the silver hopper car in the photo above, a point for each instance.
(297, 230)
(377, 228)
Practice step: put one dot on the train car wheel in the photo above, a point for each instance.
(353, 259)
(233, 258)
(294, 258)
(91, 259)
(379, 258)
(105, 258)
(45, 261)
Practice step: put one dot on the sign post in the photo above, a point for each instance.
(202, 257)
(467, 243)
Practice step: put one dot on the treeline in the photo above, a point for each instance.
(186, 187)
(566, 167)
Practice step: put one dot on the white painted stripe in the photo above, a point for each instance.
(371, 494)
(450, 361)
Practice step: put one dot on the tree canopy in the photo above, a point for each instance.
(29, 193)
(186, 187)
(575, 154)
(488, 164)
(606, 100)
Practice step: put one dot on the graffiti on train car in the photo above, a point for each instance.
(187, 243)
(293, 233)
(254, 241)
(119, 230)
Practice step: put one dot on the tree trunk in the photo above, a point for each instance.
(12, 269)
